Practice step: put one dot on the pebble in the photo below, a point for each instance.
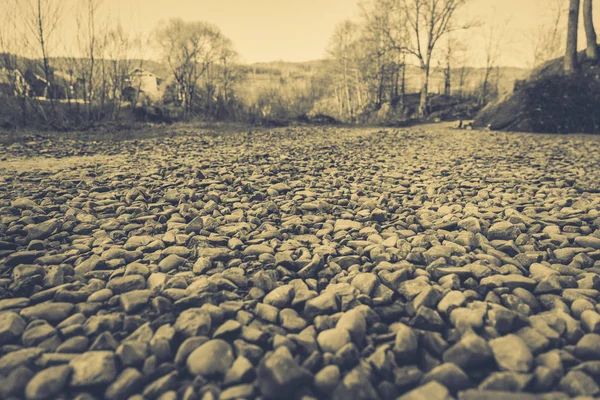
(48, 383)
(588, 347)
(449, 375)
(212, 358)
(405, 344)
(578, 383)
(355, 323)
(129, 381)
(279, 376)
(219, 270)
(93, 368)
(14, 359)
(503, 231)
(241, 371)
(125, 284)
(135, 300)
(430, 391)
(512, 353)
(51, 312)
(470, 352)
(12, 327)
(332, 340)
(280, 297)
(327, 379)
(193, 322)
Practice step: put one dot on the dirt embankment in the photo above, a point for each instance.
(549, 102)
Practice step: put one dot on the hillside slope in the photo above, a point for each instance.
(549, 102)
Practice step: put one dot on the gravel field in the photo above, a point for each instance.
(301, 263)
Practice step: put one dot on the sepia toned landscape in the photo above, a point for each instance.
(389, 199)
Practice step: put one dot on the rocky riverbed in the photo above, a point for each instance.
(301, 263)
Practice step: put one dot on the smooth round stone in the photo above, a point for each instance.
(512, 354)
(327, 379)
(355, 323)
(406, 343)
(193, 322)
(212, 358)
(187, 347)
(48, 383)
(51, 312)
(280, 297)
(450, 375)
(100, 296)
(257, 250)
(470, 352)
(129, 381)
(14, 359)
(93, 368)
(76, 344)
(331, 340)
(291, 321)
(588, 347)
(123, 284)
(506, 381)
(11, 327)
(503, 231)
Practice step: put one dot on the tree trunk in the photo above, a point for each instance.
(423, 105)
(448, 81)
(448, 72)
(484, 86)
(571, 62)
(339, 104)
(461, 82)
(590, 32)
(358, 89)
(403, 82)
(347, 92)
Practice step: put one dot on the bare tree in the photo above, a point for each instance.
(41, 19)
(493, 37)
(118, 52)
(10, 43)
(188, 48)
(548, 37)
(217, 81)
(90, 45)
(385, 37)
(9, 40)
(571, 62)
(447, 65)
(227, 59)
(461, 58)
(590, 32)
(428, 21)
(341, 50)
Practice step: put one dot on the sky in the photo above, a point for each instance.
(300, 30)
(261, 30)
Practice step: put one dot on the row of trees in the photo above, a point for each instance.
(371, 60)
(203, 63)
(88, 66)
(92, 70)
(371, 55)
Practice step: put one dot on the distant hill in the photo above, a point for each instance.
(473, 76)
(63, 64)
(265, 73)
